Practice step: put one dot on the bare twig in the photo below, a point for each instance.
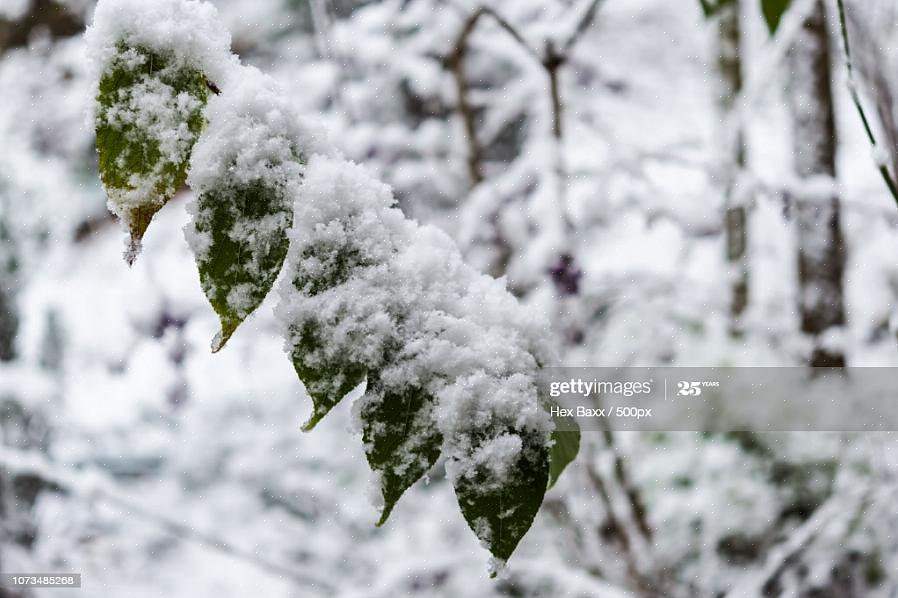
(855, 98)
(463, 86)
(847, 504)
(620, 532)
(634, 497)
(554, 56)
(583, 24)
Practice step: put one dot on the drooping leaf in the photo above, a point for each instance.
(500, 510)
(565, 446)
(149, 115)
(773, 11)
(401, 439)
(245, 227)
(327, 378)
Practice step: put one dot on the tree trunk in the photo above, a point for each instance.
(729, 64)
(821, 254)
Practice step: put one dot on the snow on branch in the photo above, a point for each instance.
(449, 356)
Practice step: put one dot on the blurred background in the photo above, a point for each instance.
(674, 189)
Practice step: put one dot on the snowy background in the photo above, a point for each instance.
(131, 454)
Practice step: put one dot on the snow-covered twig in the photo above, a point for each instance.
(551, 58)
(94, 485)
(628, 487)
(776, 51)
(618, 529)
(845, 504)
(463, 87)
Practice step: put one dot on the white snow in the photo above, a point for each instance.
(190, 30)
(462, 335)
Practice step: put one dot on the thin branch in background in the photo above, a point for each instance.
(56, 18)
(625, 481)
(554, 56)
(615, 527)
(322, 23)
(583, 25)
(847, 504)
(92, 487)
(463, 87)
(770, 62)
(855, 98)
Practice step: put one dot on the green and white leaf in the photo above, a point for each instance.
(401, 439)
(245, 170)
(245, 226)
(149, 114)
(500, 506)
(327, 375)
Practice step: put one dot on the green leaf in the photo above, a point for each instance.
(500, 511)
(773, 12)
(401, 439)
(245, 227)
(565, 446)
(327, 378)
(145, 100)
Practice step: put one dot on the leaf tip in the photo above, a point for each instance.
(132, 249)
(496, 566)
(312, 422)
(385, 514)
(222, 336)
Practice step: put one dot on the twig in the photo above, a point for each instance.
(552, 59)
(855, 98)
(776, 51)
(583, 24)
(78, 483)
(618, 530)
(463, 86)
(780, 557)
(637, 504)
